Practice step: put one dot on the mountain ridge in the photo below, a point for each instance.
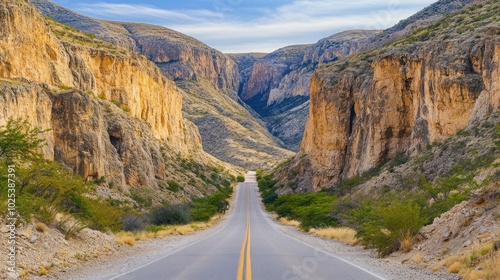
(186, 60)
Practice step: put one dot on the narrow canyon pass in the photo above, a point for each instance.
(128, 150)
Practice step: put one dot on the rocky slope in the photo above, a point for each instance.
(422, 89)
(186, 61)
(278, 85)
(111, 113)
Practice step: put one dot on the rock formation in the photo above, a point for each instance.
(208, 78)
(278, 85)
(110, 112)
(398, 99)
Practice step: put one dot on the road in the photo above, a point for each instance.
(248, 247)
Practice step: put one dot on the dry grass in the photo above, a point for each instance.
(41, 227)
(481, 255)
(43, 271)
(406, 243)
(23, 273)
(185, 229)
(455, 267)
(168, 230)
(436, 267)
(491, 266)
(125, 238)
(418, 258)
(343, 234)
(288, 222)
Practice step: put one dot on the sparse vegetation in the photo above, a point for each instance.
(342, 234)
(388, 218)
(54, 197)
(240, 178)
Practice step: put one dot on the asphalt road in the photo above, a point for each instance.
(248, 247)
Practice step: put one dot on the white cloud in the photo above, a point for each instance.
(302, 21)
(146, 12)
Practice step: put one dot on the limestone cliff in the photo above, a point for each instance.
(399, 99)
(111, 113)
(205, 75)
(278, 85)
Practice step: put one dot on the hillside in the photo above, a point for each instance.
(204, 74)
(278, 85)
(438, 210)
(93, 141)
(402, 147)
(400, 98)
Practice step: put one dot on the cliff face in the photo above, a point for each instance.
(399, 99)
(110, 113)
(204, 74)
(173, 53)
(129, 80)
(278, 85)
(38, 48)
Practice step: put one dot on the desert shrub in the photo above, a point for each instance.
(102, 216)
(173, 186)
(394, 224)
(346, 186)
(267, 187)
(311, 210)
(45, 188)
(240, 178)
(133, 222)
(170, 215)
(202, 209)
(19, 142)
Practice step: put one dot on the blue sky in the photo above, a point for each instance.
(254, 26)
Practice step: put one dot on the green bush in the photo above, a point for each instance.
(45, 188)
(392, 225)
(240, 178)
(267, 187)
(311, 210)
(171, 215)
(202, 209)
(173, 186)
(346, 186)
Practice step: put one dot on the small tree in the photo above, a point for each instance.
(19, 142)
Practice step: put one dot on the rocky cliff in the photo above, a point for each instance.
(278, 85)
(111, 113)
(188, 61)
(398, 99)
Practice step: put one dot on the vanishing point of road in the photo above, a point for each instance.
(248, 247)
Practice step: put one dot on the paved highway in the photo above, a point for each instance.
(248, 247)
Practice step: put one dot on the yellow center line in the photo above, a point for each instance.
(246, 262)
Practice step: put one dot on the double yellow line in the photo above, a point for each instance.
(246, 247)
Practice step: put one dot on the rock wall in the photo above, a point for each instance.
(130, 80)
(27, 47)
(108, 112)
(277, 87)
(27, 101)
(399, 101)
(181, 57)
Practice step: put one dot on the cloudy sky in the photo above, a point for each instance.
(254, 25)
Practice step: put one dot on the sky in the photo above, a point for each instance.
(241, 26)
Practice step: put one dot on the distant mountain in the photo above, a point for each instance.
(277, 85)
(209, 79)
